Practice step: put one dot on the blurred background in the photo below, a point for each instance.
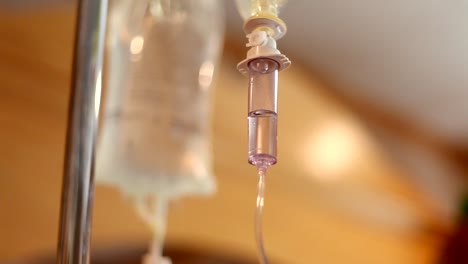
(373, 140)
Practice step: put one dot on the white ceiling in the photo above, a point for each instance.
(409, 57)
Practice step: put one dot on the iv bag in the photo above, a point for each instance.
(155, 127)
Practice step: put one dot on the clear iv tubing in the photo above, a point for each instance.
(262, 168)
(155, 216)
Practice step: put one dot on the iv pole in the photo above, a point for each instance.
(78, 178)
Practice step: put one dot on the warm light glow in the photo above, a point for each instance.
(205, 75)
(136, 45)
(333, 148)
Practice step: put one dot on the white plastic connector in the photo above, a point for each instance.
(262, 46)
(258, 38)
(275, 26)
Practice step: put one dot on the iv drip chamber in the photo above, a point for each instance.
(263, 94)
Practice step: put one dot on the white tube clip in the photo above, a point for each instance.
(262, 46)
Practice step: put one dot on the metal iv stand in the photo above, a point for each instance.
(78, 179)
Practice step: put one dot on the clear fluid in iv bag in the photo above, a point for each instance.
(154, 138)
(155, 130)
